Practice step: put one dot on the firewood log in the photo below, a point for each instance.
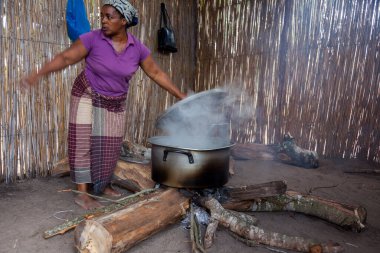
(237, 194)
(61, 168)
(251, 232)
(347, 216)
(251, 151)
(213, 225)
(255, 191)
(119, 231)
(133, 176)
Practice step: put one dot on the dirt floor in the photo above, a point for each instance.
(30, 207)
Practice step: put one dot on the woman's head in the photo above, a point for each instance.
(112, 21)
(125, 9)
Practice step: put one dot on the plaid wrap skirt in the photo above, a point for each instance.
(96, 129)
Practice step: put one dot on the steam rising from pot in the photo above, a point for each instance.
(200, 120)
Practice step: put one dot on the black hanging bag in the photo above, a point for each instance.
(166, 42)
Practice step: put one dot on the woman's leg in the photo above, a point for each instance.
(79, 140)
(107, 135)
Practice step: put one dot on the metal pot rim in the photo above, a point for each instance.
(158, 141)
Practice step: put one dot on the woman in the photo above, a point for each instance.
(97, 106)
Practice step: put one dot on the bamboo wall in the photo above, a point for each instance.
(310, 67)
(33, 126)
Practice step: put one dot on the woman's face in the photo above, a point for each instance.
(111, 20)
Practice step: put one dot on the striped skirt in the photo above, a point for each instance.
(96, 129)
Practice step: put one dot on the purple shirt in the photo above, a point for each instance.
(109, 72)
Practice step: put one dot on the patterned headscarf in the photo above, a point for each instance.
(124, 7)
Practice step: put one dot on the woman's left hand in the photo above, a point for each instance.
(160, 77)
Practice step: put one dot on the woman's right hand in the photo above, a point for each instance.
(76, 52)
(29, 81)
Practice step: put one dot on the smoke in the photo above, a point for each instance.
(204, 119)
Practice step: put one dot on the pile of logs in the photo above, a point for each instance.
(126, 222)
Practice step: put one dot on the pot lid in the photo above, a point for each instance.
(196, 108)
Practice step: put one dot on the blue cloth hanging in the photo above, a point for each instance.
(76, 19)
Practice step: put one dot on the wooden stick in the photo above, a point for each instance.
(97, 197)
(63, 228)
(366, 171)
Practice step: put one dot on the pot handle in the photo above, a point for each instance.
(189, 155)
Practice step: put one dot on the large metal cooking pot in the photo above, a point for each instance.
(197, 164)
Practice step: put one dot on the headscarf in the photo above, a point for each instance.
(126, 9)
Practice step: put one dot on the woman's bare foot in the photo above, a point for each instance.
(86, 202)
(111, 192)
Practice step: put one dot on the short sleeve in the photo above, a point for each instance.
(87, 39)
(144, 52)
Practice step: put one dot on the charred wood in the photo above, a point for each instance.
(237, 194)
(195, 233)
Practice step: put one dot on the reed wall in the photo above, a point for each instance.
(33, 126)
(310, 68)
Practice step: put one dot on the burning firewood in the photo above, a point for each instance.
(195, 233)
(237, 194)
(251, 232)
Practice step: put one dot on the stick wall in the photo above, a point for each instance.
(310, 67)
(33, 129)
